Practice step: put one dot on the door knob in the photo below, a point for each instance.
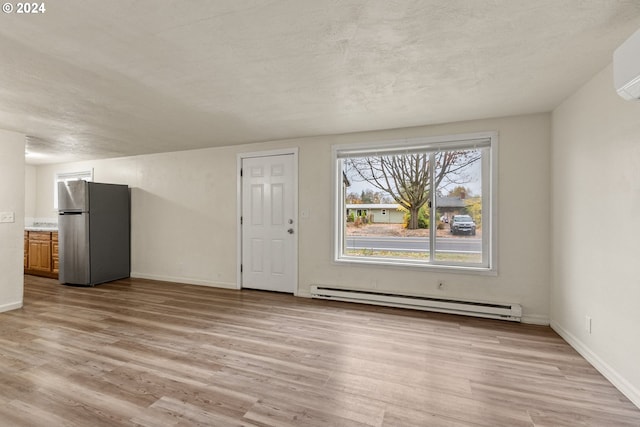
(290, 231)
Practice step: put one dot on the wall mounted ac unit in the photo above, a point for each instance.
(626, 68)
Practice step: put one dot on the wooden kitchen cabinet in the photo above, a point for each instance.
(41, 253)
(26, 250)
(55, 259)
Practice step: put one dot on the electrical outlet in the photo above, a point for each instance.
(7, 217)
(587, 324)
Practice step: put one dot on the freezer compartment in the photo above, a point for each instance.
(73, 244)
(73, 196)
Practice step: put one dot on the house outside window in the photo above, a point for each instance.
(443, 191)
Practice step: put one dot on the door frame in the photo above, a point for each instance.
(269, 153)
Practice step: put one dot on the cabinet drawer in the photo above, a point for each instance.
(39, 235)
(54, 236)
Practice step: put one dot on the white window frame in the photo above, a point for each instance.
(435, 143)
(86, 175)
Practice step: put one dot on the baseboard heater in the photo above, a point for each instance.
(512, 312)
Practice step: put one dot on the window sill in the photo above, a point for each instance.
(420, 266)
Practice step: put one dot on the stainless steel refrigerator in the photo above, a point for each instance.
(94, 232)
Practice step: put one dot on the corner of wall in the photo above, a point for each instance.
(595, 157)
(619, 381)
(12, 200)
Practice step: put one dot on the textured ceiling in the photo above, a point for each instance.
(93, 79)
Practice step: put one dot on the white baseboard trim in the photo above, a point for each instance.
(303, 294)
(185, 280)
(11, 306)
(535, 319)
(632, 393)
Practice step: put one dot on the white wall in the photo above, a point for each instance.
(12, 179)
(30, 183)
(595, 206)
(184, 215)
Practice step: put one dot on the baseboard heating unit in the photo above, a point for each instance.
(512, 312)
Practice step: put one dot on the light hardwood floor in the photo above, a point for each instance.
(146, 353)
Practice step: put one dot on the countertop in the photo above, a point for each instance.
(41, 228)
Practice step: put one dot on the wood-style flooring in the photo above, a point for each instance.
(145, 353)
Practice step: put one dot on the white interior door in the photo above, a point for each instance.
(268, 223)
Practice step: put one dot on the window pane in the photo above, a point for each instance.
(386, 206)
(458, 175)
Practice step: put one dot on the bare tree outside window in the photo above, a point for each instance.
(407, 177)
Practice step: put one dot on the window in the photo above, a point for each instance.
(69, 176)
(438, 195)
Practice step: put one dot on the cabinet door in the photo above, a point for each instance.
(40, 255)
